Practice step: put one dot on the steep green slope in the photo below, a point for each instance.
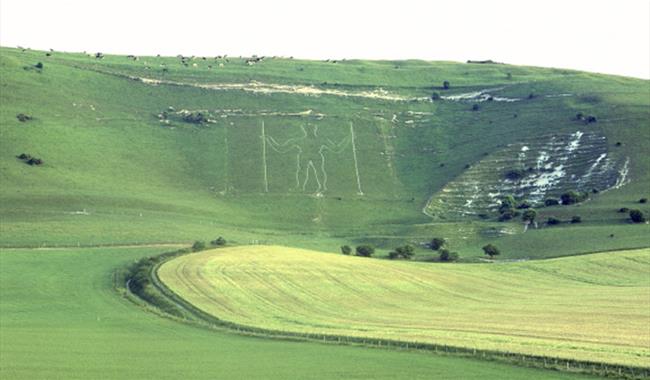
(61, 318)
(314, 154)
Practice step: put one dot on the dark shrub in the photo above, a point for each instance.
(346, 250)
(24, 156)
(637, 216)
(23, 118)
(506, 216)
(580, 116)
(448, 256)
(445, 85)
(553, 221)
(476, 107)
(576, 219)
(551, 202)
(643, 200)
(507, 208)
(529, 215)
(572, 197)
(623, 209)
(437, 243)
(405, 252)
(198, 246)
(365, 250)
(491, 250)
(435, 96)
(524, 205)
(195, 118)
(39, 65)
(591, 119)
(34, 161)
(219, 242)
(515, 174)
(531, 95)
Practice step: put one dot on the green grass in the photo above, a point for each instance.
(140, 180)
(570, 308)
(61, 318)
(114, 174)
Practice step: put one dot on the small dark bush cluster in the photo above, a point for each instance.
(553, 221)
(551, 202)
(623, 209)
(346, 250)
(218, 242)
(365, 250)
(576, 219)
(529, 215)
(515, 174)
(437, 243)
(23, 118)
(524, 205)
(195, 118)
(476, 107)
(587, 119)
(637, 216)
(643, 200)
(573, 197)
(138, 281)
(435, 96)
(404, 252)
(198, 246)
(491, 250)
(38, 67)
(507, 208)
(445, 85)
(447, 256)
(29, 160)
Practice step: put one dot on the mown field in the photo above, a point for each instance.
(60, 318)
(592, 307)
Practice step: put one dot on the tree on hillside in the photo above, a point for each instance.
(219, 242)
(435, 96)
(491, 250)
(198, 246)
(445, 85)
(637, 216)
(346, 250)
(437, 243)
(573, 197)
(529, 215)
(365, 250)
(448, 256)
(551, 202)
(404, 252)
(553, 221)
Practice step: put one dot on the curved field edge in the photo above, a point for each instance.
(592, 308)
(159, 298)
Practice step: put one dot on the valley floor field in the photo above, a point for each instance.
(60, 318)
(591, 308)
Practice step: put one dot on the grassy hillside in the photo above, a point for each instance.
(568, 308)
(315, 154)
(61, 318)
